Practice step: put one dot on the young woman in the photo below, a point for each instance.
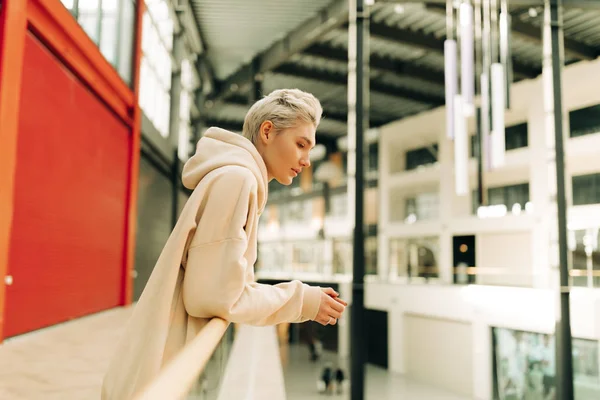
(206, 268)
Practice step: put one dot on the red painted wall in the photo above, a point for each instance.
(68, 237)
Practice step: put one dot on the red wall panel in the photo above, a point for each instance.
(69, 228)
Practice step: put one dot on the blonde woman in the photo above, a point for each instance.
(206, 268)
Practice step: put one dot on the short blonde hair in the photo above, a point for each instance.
(284, 108)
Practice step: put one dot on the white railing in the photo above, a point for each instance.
(178, 377)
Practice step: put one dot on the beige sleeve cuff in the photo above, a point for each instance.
(311, 302)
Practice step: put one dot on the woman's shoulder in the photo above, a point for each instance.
(231, 177)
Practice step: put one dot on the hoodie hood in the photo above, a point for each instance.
(218, 148)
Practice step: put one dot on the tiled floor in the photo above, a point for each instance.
(67, 362)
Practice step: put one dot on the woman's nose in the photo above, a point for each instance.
(305, 162)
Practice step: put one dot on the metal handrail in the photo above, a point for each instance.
(180, 374)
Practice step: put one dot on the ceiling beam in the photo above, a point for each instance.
(342, 116)
(433, 44)
(374, 86)
(585, 4)
(328, 19)
(531, 33)
(379, 63)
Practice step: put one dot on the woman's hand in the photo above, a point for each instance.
(331, 307)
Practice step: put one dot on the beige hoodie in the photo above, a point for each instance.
(206, 268)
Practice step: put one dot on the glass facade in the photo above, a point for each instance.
(189, 83)
(157, 64)
(525, 366)
(111, 26)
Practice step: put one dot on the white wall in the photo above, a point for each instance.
(480, 307)
(439, 352)
(504, 258)
(522, 165)
(522, 242)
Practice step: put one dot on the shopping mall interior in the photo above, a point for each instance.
(452, 198)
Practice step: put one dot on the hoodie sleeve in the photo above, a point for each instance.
(218, 281)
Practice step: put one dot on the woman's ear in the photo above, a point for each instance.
(266, 131)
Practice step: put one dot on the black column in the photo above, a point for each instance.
(175, 185)
(357, 336)
(479, 134)
(564, 354)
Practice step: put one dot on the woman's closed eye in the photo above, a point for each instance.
(301, 145)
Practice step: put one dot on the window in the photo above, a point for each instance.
(373, 153)
(69, 4)
(110, 24)
(514, 197)
(424, 206)
(108, 30)
(586, 257)
(88, 16)
(586, 189)
(509, 195)
(371, 255)
(515, 137)
(423, 156)
(584, 121)
(474, 146)
(414, 258)
(156, 67)
(189, 82)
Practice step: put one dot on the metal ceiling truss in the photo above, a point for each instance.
(342, 116)
(329, 114)
(302, 40)
(378, 63)
(583, 4)
(296, 41)
(432, 44)
(533, 34)
(374, 85)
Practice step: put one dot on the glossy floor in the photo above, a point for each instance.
(67, 362)
(301, 381)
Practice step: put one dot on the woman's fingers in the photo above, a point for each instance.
(336, 305)
(331, 309)
(342, 302)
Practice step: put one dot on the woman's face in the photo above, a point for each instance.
(286, 152)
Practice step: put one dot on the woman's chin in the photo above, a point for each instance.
(286, 180)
